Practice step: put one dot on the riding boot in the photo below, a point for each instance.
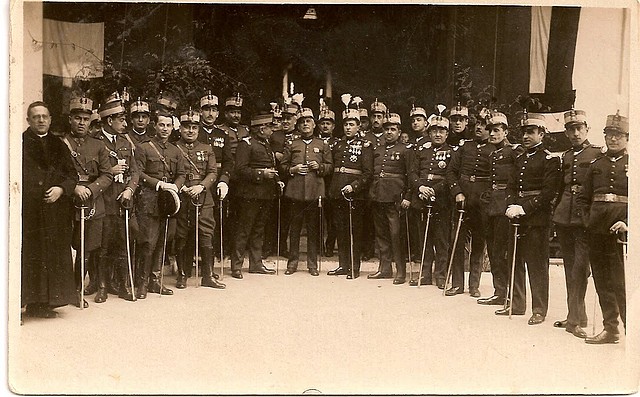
(113, 279)
(401, 274)
(181, 280)
(126, 291)
(103, 270)
(142, 276)
(207, 274)
(92, 287)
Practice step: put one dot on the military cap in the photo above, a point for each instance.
(575, 117)
(111, 108)
(618, 123)
(459, 110)
(378, 107)
(276, 110)
(80, 105)
(261, 119)
(438, 121)
(208, 100)
(167, 101)
(418, 111)
(533, 120)
(189, 117)
(234, 102)
(497, 118)
(94, 116)
(291, 108)
(352, 114)
(392, 118)
(363, 113)
(326, 114)
(306, 112)
(139, 106)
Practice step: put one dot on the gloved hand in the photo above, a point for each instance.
(514, 211)
(222, 190)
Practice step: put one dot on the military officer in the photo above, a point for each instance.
(196, 195)
(418, 118)
(567, 219)
(495, 200)
(307, 160)
(258, 185)
(431, 158)
(468, 176)
(140, 116)
(531, 191)
(459, 118)
(91, 160)
(113, 253)
(389, 192)
(326, 126)
(231, 124)
(365, 123)
(166, 104)
(603, 203)
(353, 169)
(271, 226)
(161, 168)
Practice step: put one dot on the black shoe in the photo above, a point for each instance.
(212, 283)
(577, 331)
(423, 281)
(491, 301)
(355, 275)
(112, 289)
(474, 292)
(141, 291)
(505, 312)
(126, 293)
(399, 280)
(154, 287)
(560, 324)
(314, 272)
(440, 284)
(379, 275)
(262, 270)
(91, 288)
(454, 291)
(339, 271)
(101, 295)
(215, 275)
(85, 304)
(536, 319)
(236, 274)
(181, 282)
(603, 338)
(289, 272)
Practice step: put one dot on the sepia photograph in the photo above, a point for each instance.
(258, 198)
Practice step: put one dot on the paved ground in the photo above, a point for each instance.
(290, 334)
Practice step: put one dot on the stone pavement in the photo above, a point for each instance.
(290, 334)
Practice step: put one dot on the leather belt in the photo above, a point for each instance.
(383, 174)
(193, 177)
(499, 186)
(434, 177)
(610, 198)
(345, 170)
(85, 178)
(474, 178)
(529, 193)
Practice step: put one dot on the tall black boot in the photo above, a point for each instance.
(113, 278)
(207, 274)
(103, 275)
(181, 280)
(126, 289)
(401, 275)
(90, 267)
(142, 274)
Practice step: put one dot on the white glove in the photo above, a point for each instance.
(514, 211)
(169, 186)
(222, 190)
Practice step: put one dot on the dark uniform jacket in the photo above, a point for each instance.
(121, 150)
(234, 135)
(575, 164)
(253, 156)
(534, 185)
(143, 136)
(428, 168)
(603, 199)
(374, 140)
(352, 165)
(280, 139)
(200, 168)
(166, 163)
(219, 141)
(503, 162)
(470, 164)
(390, 174)
(301, 151)
(91, 160)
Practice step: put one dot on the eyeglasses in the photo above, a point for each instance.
(615, 135)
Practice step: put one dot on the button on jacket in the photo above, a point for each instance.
(302, 151)
(253, 156)
(200, 167)
(503, 162)
(390, 174)
(353, 165)
(429, 169)
(120, 150)
(219, 142)
(470, 161)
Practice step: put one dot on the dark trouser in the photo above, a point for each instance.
(607, 265)
(270, 239)
(341, 212)
(253, 214)
(438, 243)
(369, 242)
(307, 212)
(92, 242)
(150, 245)
(499, 239)
(574, 243)
(533, 249)
(113, 253)
(227, 222)
(285, 222)
(387, 224)
(474, 222)
(416, 217)
(185, 234)
(328, 213)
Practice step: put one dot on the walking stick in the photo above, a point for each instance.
(278, 235)
(455, 243)
(82, 253)
(426, 233)
(164, 252)
(197, 204)
(321, 246)
(127, 236)
(221, 243)
(513, 265)
(350, 200)
(406, 221)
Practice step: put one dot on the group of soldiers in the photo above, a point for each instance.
(176, 184)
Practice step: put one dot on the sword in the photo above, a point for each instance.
(82, 238)
(197, 204)
(321, 246)
(426, 233)
(126, 232)
(164, 252)
(406, 221)
(350, 200)
(513, 265)
(221, 243)
(455, 243)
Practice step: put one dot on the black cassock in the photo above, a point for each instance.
(47, 269)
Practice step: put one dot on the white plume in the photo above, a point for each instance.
(441, 108)
(298, 98)
(346, 99)
(357, 100)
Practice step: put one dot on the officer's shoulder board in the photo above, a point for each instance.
(462, 141)
(409, 145)
(222, 128)
(365, 143)
(603, 149)
(247, 139)
(425, 145)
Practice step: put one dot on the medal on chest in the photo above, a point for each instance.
(201, 156)
(218, 142)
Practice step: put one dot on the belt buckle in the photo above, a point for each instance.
(341, 170)
(494, 186)
(472, 178)
(521, 194)
(381, 174)
(164, 179)
(190, 176)
(609, 197)
(430, 177)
